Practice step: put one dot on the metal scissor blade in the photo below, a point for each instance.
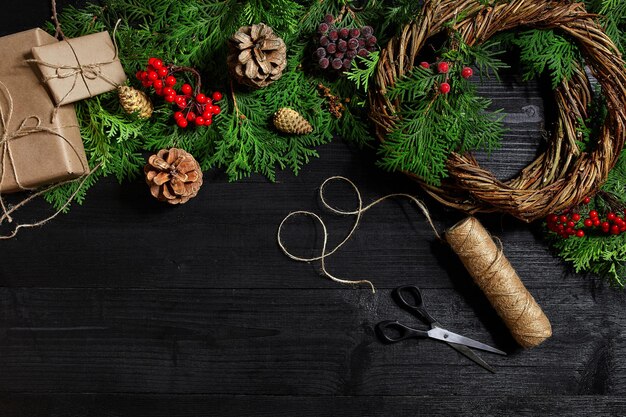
(447, 336)
(469, 354)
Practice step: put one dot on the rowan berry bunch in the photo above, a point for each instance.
(446, 69)
(339, 46)
(573, 223)
(194, 107)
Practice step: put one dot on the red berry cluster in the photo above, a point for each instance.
(339, 46)
(443, 67)
(194, 107)
(571, 223)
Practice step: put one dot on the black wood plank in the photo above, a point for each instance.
(290, 342)
(99, 405)
(195, 311)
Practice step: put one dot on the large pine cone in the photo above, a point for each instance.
(257, 57)
(173, 176)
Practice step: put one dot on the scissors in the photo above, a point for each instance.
(392, 331)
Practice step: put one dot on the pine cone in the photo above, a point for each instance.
(173, 176)
(135, 102)
(290, 121)
(257, 57)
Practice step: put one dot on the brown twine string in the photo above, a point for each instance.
(55, 19)
(495, 276)
(6, 139)
(85, 72)
(33, 196)
(358, 212)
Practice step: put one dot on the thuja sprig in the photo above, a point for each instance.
(441, 113)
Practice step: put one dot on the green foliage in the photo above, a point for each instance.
(485, 57)
(432, 125)
(600, 255)
(597, 253)
(363, 68)
(191, 33)
(242, 140)
(545, 52)
(613, 17)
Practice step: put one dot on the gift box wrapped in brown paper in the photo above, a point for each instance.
(34, 148)
(79, 68)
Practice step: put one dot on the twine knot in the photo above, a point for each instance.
(89, 71)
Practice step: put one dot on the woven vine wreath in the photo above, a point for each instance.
(562, 175)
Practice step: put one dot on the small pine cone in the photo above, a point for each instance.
(290, 121)
(173, 175)
(135, 102)
(256, 57)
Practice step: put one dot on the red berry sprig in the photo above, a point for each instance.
(573, 223)
(194, 107)
(445, 68)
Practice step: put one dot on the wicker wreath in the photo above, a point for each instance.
(562, 175)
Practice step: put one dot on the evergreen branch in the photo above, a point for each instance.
(485, 57)
(546, 52)
(431, 127)
(362, 70)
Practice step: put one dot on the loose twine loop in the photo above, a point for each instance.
(7, 137)
(358, 212)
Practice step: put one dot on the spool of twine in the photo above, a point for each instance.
(495, 276)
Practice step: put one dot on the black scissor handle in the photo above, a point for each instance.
(392, 331)
(409, 297)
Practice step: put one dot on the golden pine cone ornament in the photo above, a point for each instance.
(290, 121)
(135, 102)
(173, 175)
(257, 57)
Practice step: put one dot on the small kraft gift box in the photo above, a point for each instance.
(79, 68)
(35, 148)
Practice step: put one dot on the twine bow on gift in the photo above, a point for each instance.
(84, 72)
(7, 137)
(87, 71)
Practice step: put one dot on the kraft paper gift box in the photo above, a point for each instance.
(35, 149)
(79, 68)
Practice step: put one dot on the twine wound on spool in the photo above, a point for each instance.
(495, 276)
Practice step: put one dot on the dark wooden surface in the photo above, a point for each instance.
(127, 307)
